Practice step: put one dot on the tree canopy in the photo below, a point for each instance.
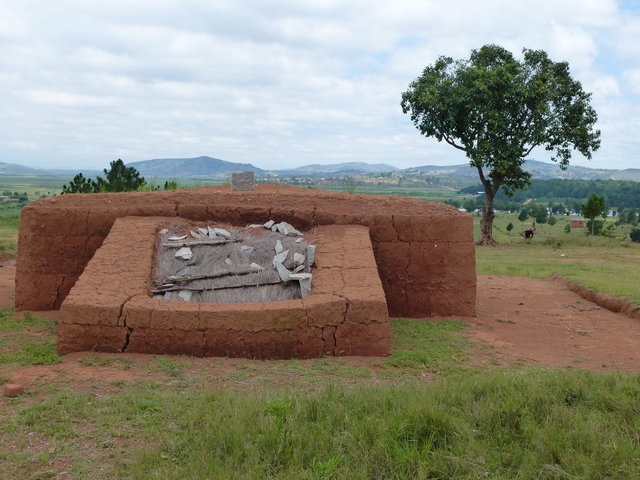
(497, 109)
(594, 207)
(80, 184)
(119, 178)
(618, 193)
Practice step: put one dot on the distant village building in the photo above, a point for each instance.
(577, 222)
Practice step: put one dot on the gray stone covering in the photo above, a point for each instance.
(242, 181)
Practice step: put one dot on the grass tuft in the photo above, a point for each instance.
(27, 340)
(8, 246)
(100, 360)
(12, 323)
(427, 344)
(169, 366)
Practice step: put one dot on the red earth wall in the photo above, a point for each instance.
(424, 251)
(110, 309)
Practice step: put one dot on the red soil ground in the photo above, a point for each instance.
(520, 321)
(536, 322)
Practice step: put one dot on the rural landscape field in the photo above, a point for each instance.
(543, 383)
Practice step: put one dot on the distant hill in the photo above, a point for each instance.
(349, 168)
(449, 170)
(208, 166)
(14, 169)
(539, 170)
(191, 167)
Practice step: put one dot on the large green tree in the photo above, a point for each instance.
(497, 109)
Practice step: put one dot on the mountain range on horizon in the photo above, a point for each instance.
(205, 166)
(188, 167)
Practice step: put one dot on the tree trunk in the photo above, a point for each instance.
(486, 224)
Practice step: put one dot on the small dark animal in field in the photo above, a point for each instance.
(527, 234)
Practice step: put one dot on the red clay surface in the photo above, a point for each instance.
(535, 322)
(110, 310)
(521, 321)
(424, 251)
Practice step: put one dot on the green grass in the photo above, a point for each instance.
(97, 360)
(433, 193)
(427, 344)
(603, 265)
(552, 235)
(13, 323)
(469, 422)
(26, 340)
(8, 246)
(606, 265)
(520, 423)
(525, 424)
(43, 184)
(33, 351)
(169, 366)
(9, 225)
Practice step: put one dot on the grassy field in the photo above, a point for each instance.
(318, 419)
(607, 265)
(543, 231)
(423, 412)
(430, 194)
(35, 185)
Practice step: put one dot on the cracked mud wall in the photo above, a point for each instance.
(110, 310)
(424, 251)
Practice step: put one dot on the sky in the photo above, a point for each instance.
(282, 83)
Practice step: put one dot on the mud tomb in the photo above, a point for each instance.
(94, 257)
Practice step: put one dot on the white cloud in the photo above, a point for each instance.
(65, 99)
(632, 80)
(574, 45)
(276, 83)
(11, 26)
(602, 86)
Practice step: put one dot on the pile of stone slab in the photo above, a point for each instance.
(234, 266)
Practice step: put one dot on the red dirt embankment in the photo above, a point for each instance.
(110, 310)
(520, 320)
(424, 251)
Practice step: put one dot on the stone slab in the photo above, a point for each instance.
(242, 181)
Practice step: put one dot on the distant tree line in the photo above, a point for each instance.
(617, 193)
(541, 213)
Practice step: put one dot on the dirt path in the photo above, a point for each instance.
(520, 321)
(536, 322)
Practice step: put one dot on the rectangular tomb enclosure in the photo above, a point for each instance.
(424, 251)
(110, 308)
